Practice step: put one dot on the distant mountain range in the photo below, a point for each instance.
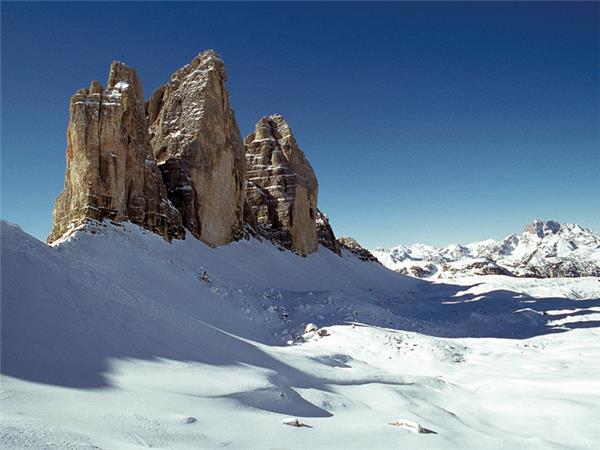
(545, 249)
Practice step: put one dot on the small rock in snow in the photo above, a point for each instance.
(310, 328)
(293, 422)
(412, 426)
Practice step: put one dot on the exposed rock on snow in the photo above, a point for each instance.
(111, 172)
(412, 426)
(325, 233)
(322, 332)
(310, 328)
(281, 186)
(349, 244)
(293, 422)
(311, 331)
(197, 144)
(543, 250)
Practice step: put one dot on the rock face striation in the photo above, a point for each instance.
(281, 187)
(197, 144)
(178, 162)
(111, 173)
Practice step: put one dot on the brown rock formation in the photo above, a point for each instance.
(199, 150)
(281, 186)
(180, 162)
(110, 169)
(352, 246)
(325, 233)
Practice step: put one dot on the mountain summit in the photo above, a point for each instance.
(545, 249)
(281, 185)
(111, 172)
(178, 162)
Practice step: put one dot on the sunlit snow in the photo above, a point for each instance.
(113, 338)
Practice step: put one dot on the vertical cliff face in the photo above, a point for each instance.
(110, 169)
(281, 185)
(198, 147)
(178, 161)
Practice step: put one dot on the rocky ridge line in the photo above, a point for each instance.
(545, 249)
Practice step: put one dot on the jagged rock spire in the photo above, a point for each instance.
(197, 144)
(178, 161)
(281, 185)
(111, 173)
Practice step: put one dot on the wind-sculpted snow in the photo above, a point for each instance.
(118, 339)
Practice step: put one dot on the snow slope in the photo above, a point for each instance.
(544, 249)
(111, 339)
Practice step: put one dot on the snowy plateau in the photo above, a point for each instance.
(114, 338)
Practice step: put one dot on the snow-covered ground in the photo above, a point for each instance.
(112, 339)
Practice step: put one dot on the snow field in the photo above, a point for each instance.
(113, 340)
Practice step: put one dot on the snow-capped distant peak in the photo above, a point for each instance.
(545, 248)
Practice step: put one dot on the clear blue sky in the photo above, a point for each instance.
(424, 122)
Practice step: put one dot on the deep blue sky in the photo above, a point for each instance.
(424, 122)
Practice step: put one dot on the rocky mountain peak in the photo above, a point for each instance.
(281, 185)
(544, 249)
(206, 61)
(542, 228)
(123, 77)
(110, 170)
(95, 89)
(197, 143)
(178, 162)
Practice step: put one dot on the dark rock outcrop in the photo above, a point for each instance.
(325, 233)
(474, 267)
(347, 243)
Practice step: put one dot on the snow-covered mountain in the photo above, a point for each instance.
(114, 338)
(544, 249)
